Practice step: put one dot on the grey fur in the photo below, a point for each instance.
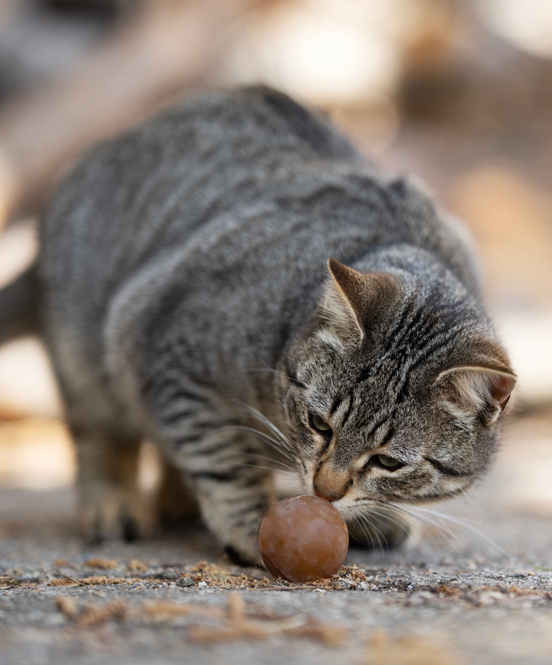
(183, 271)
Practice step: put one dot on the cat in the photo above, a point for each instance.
(234, 282)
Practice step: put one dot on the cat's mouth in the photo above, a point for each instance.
(344, 504)
(323, 496)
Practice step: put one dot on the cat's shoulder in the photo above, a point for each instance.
(260, 112)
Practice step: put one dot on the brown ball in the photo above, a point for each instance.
(302, 539)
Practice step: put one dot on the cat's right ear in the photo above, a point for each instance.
(352, 299)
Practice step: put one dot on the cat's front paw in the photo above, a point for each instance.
(108, 513)
(244, 553)
(239, 559)
(386, 530)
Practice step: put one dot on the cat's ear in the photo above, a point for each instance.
(479, 390)
(352, 299)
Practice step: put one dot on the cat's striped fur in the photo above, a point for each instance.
(185, 293)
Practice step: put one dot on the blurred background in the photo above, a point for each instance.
(456, 92)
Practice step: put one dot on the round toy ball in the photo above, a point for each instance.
(303, 539)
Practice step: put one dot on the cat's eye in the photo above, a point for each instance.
(388, 462)
(319, 424)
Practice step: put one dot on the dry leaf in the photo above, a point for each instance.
(94, 615)
(136, 566)
(67, 605)
(100, 562)
(385, 650)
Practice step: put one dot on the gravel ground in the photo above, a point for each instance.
(477, 594)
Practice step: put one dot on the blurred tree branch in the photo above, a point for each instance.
(160, 52)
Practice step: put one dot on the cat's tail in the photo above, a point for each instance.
(19, 307)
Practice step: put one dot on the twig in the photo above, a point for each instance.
(71, 579)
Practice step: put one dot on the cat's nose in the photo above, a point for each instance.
(330, 483)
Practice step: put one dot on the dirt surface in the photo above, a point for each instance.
(477, 589)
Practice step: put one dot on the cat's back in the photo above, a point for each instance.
(203, 148)
(150, 189)
(250, 167)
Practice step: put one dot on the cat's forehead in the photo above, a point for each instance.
(358, 398)
(412, 344)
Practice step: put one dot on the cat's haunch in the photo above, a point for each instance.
(234, 282)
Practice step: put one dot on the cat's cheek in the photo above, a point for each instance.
(449, 487)
(407, 486)
(296, 418)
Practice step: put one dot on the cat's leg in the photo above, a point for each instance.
(233, 505)
(175, 502)
(382, 529)
(233, 493)
(110, 503)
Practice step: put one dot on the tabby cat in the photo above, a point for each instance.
(234, 282)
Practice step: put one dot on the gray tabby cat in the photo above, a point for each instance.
(235, 260)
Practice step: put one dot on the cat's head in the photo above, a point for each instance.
(394, 392)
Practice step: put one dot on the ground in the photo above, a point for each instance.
(476, 590)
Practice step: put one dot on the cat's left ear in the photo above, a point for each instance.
(478, 390)
(352, 300)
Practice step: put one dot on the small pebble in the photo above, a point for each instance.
(185, 581)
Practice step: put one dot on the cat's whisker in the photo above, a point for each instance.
(276, 431)
(255, 431)
(271, 441)
(275, 461)
(383, 518)
(458, 520)
(388, 517)
(441, 524)
(423, 519)
(284, 468)
(267, 468)
(416, 524)
(293, 455)
(267, 422)
(366, 533)
(290, 486)
(375, 530)
(291, 496)
(471, 502)
(467, 524)
(369, 535)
